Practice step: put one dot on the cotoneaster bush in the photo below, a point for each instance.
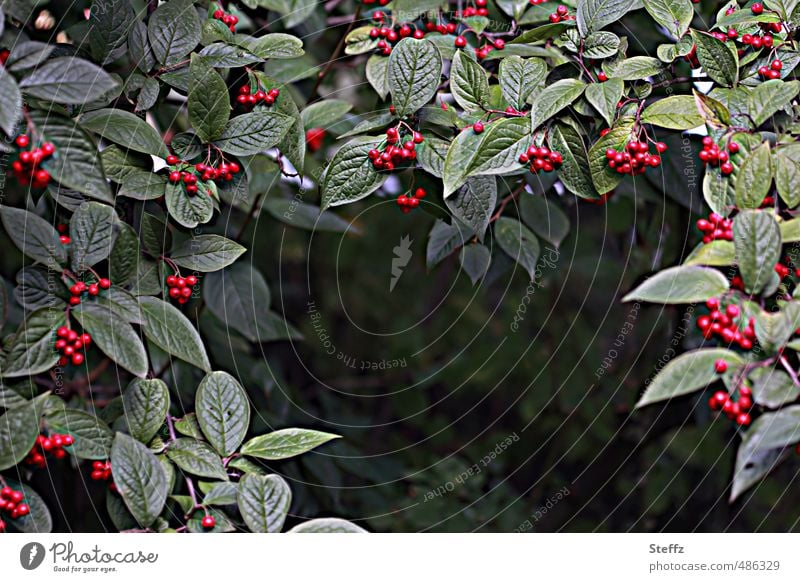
(133, 128)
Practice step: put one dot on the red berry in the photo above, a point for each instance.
(720, 366)
(661, 147)
(172, 160)
(104, 283)
(602, 77)
(22, 141)
(499, 44)
(477, 127)
(208, 522)
(757, 8)
(460, 42)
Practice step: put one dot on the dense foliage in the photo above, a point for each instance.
(147, 141)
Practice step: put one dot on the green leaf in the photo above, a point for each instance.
(285, 443)
(713, 112)
(757, 239)
(377, 74)
(189, 211)
(605, 96)
(790, 230)
(718, 59)
(207, 253)
(518, 242)
(220, 55)
(11, 104)
(598, 45)
(635, 68)
(717, 253)
(139, 477)
(687, 373)
(596, 14)
(327, 525)
(683, 284)
(146, 405)
(519, 78)
(350, 175)
(77, 165)
(494, 152)
(773, 388)
(754, 178)
(605, 179)
(93, 438)
(554, 98)
(32, 349)
(358, 41)
(125, 129)
(223, 411)
(169, 329)
(19, 427)
(468, 83)
(110, 23)
(34, 236)
(545, 218)
(173, 31)
(209, 104)
(475, 260)
(674, 15)
(221, 493)
(67, 80)
(574, 173)
(264, 502)
(675, 112)
(325, 113)
(115, 337)
(444, 239)
(197, 458)
(143, 185)
(240, 298)
(769, 97)
(415, 67)
(252, 133)
(431, 155)
(787, 174)
(762, 447)
(276, 45)
(474, 203)
(93, 234)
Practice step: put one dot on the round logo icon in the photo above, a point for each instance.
(31, 555)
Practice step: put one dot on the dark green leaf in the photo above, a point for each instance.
(173, 31)
(34, 236)
(757, 238)
(223, 411)
(67, 80)
(93, 233)
(139, 477)
(285, 443)
(169, 329)
(125, 129)
(518, 242)
(264, 502)
(197, 458)
(209, 105)
(415, 67)
(207, 253)
(146, 405)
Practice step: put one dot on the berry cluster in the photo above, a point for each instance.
(723, 324)
(408, 202)
(93, 289)
(478, 10)
(712, 155)
(101, 471)
(27, 167)
(63, 232)
(393, 154)
(771, 72)
(561, 14)
(314, 138)
(71, 344)
(13, 503)
(635, 158)
(542, 159)
(715, 227)
(208, 521)
(390, 36)
(734, 410)
(53, 445)
(757, 41)
(202, 172)
(180, 288)
(228, 20)
(248, 99)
